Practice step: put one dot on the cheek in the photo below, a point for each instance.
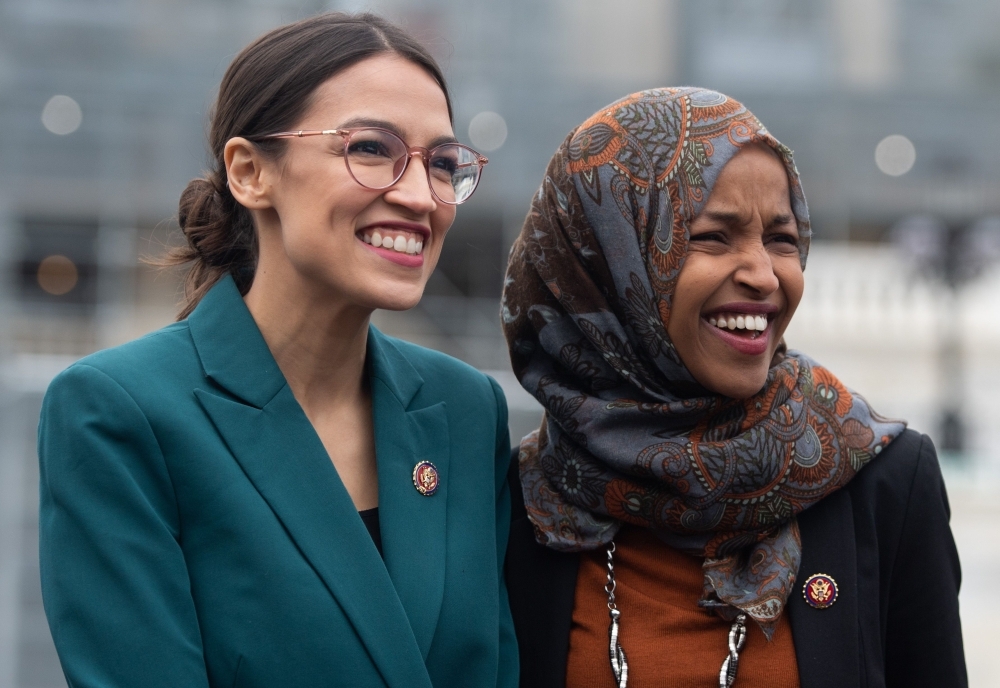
(683, 316)
(320, 209)
(695, 284)
(792, 283)
(441, 222)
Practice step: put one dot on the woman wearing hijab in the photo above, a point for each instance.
(700, 506)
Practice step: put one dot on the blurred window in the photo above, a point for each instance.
(58, 262)
(759, 43)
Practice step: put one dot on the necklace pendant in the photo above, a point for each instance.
(619, 664)
(737, 636)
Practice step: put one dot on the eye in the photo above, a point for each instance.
(784, 241)
(370, 147)
(445, 163)
(709, 237)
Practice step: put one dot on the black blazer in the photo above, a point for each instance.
(884, 538)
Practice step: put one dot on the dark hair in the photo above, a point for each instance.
(267, 88)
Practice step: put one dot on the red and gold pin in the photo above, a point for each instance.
(425, 478)
(820, 591)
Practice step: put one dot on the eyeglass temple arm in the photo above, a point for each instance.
(304, 132)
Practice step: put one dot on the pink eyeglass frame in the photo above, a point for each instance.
(424, 153)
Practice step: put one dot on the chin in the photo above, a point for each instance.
(742, 393)
(737, 384)
(398, 302)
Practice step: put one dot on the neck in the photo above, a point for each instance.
(318, 341)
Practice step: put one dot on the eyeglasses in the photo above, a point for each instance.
(377, 158)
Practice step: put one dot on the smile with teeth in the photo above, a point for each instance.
(396, 240)
(754, 324)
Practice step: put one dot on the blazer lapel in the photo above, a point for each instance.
(413, 525)
(827, 645)
(278, 449)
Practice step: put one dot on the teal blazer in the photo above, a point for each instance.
(194, 531)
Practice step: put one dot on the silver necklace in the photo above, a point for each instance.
(619, 664)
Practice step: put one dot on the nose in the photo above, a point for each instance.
(413, 190)
(755, 271)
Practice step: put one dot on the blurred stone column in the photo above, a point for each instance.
(11, 465)
(628, 42)
(951, 370)
(117, 256)
(867, 36)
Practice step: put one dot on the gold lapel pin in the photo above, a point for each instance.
(820, 591)
(425, 478)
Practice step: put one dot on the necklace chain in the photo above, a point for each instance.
(619, 664)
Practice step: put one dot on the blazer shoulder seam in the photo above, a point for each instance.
(149, 427)
(909, 498)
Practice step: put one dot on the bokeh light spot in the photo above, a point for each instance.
(62, 115)
(488, 131)
(895, 155)
(57, 275)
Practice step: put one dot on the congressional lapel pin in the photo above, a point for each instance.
(425, 478)
(820, 591)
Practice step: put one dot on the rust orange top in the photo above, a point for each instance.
(667, 638)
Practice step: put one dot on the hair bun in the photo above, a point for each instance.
(200, 205)
(220, 240)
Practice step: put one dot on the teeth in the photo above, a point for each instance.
(739, 322)
(401, 243)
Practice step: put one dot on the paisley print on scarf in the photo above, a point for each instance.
(628, 435)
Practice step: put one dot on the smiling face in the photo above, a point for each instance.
(741, 280)
(316, 224)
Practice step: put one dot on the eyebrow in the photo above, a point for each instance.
(732, 218)
(783, 219)
(383, 124)
(727, 218)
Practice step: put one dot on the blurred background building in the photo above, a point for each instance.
(891, 106)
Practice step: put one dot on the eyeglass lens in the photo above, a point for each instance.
(377, 158)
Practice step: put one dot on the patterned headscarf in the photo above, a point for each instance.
(628, 435)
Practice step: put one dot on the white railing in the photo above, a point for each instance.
(868, 317)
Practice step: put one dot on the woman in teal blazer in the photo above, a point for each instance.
(203, 506)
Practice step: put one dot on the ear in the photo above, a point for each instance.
(246, 171)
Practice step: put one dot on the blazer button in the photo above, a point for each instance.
(425, 478)
(820, 591)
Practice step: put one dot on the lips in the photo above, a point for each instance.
(744, 326)
(398, 242)
(748, 342)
